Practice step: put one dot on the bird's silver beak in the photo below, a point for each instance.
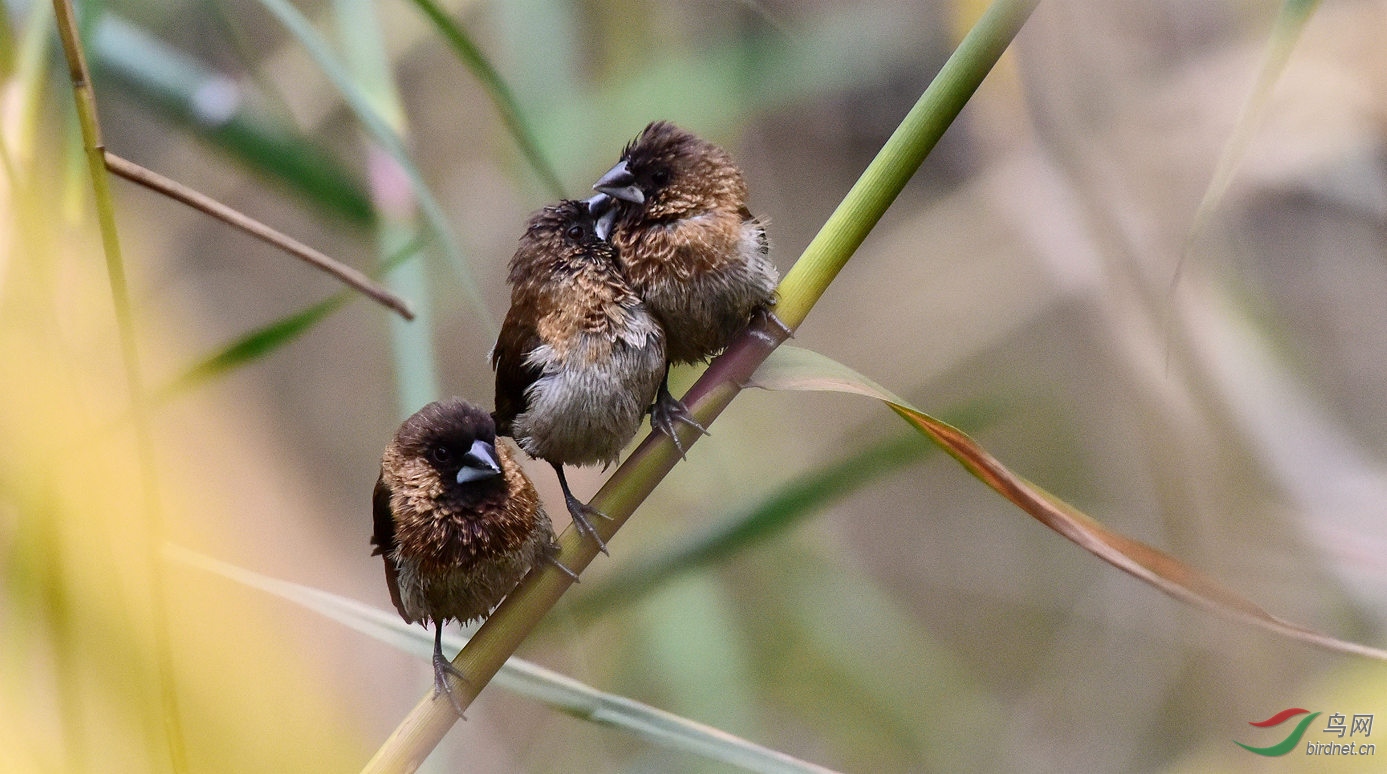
(479, 462)
(619, 183)
(603, 226)
(598, 204)
(603, 211)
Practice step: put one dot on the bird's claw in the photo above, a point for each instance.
(669, 410)
(442, 667)
(767, 319)
(554, 560)
(580, 513)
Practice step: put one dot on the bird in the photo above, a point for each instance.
(457, 521)
(579, 357)
(689, 247)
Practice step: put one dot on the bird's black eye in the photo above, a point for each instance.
(660, 176)
(574, 233)
(441, 454)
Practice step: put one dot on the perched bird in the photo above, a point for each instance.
(579, 357)
(689, 247)
(457, 520)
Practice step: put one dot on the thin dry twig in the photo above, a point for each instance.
(206, 204)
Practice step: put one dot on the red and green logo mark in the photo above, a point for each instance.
(1291, 740)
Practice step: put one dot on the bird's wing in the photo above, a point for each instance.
(384, 541)
(514, 372)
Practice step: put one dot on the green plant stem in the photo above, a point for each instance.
(899, 158)
(153, 530)
(396, 202)
(7, 56)
(802, 287)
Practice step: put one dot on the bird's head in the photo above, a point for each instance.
(449, 447)
(667, 172)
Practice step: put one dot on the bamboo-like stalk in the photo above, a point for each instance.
(397, 202)
(94, 150)
(802, 287)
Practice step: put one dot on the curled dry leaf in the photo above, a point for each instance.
(794, 368)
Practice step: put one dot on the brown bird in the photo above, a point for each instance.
(579, 356)
(457, 520)
(689, 247)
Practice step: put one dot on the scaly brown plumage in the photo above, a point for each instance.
(689, 247)
(579, 356)
(457, 521)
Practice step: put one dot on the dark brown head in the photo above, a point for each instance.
(456, 518)
(667, 173)
(559, 238)
(442, 462)
(458, 442)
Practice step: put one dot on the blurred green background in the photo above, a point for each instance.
(1023, 286)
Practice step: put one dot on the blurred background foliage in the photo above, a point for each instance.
(908, 619)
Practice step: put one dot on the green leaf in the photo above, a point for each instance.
(265, 340)
(801, 498)
(179, 86)
(793, 368)
(1295, 14)
(388, 139)
(522, 677)
(501, 96)
(255, 345)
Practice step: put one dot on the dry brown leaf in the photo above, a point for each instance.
(793, 368)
